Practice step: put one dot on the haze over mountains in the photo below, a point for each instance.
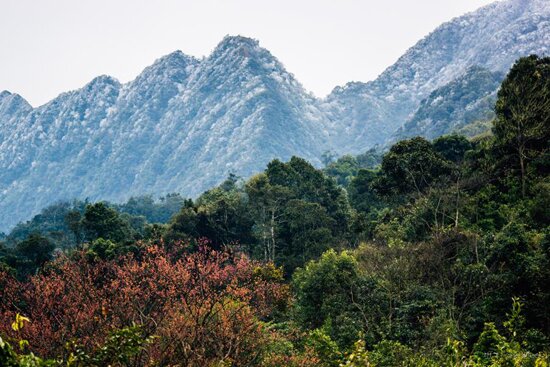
(184, 124)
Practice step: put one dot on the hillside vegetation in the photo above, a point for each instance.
(434, 253)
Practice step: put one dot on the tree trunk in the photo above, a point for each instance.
(522, 167)
(272, 229)
(457, 201)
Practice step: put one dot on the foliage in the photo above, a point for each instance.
(327, 297)
(289, 214)
(159, 211)
(345, 168)
(121, 348)
(522, 126)
(205, 307)
(101, 221)
(437, 256)
(410, 166)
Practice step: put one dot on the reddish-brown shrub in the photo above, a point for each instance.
(204, 307)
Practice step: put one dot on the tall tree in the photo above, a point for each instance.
(522, 126)
(102, 221)
(410, 166)
(267, 205)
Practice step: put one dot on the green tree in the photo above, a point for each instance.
(279, 200)
(184, 225)
(102, 221)
(361, 193)
(305, 232)
(73, 219)
(522, 126)
(35, 250)
(266, 203)
(411, 166)
(452, 147)
(302, 181)
(343, 169)
(328, 294)
(221, 215)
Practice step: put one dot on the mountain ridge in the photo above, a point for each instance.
(183, 124)
(492, 37)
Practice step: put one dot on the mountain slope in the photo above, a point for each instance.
(236, 110)
(492, 37)
(13, 109)
(466, 99)
(184, 124)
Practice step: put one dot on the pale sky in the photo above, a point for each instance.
(52, 46)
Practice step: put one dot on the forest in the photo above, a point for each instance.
(428, 253)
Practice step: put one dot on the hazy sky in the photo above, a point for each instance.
(51, 46)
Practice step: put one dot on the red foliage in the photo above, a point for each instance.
(204, 307)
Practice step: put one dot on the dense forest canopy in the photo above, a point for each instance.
(432, 253)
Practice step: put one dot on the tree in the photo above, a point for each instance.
(267, 203)
(101, 221)
(183, 226)
(223, 215)
(36, 249)
(327, 296)
(452, 147)
(306, 183)
(285, 189)
(50, 223)
(362, 196)
(343, 169)
(305, 232)
(73, 219)
(522, 126)
(159, 211)
(370, 159)
(411, 166)
(220, 214)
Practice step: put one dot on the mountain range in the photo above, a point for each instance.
(185, 123)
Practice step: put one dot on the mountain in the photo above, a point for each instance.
(492, 37)
(13, 108)
(184, 124)
(467, 99)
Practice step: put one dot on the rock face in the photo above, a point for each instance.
(184, 124)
